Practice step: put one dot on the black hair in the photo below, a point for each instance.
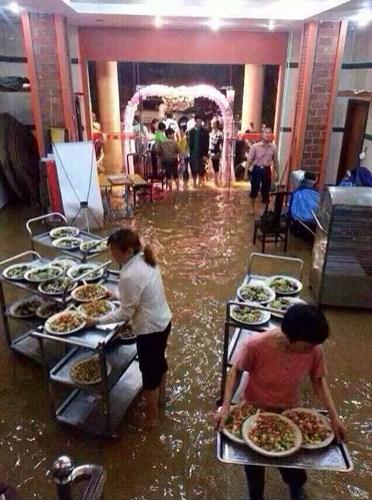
(305, 322)
(169, 114)
(128, 239)
(198, 117)
(161, 126)
(183, 128)
(310, 175)
(169, 132)
(136, 118)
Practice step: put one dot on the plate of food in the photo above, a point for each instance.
(272, 434)
(64, 262)
(315, 428)
(43, 273)
(26, 308)
(75, 272)
(64, 323)
(88, 371)
(96, 309)
(284, 285)
(57, 286)
(89, 292)
(64, 231)
(248, 315)
(17, 271)
(282, 304)
(256, 293)
(67, 243)
(47, 310)
(92, 246)
(238, 414)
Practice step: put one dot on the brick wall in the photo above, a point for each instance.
(46, 62)
(320, 96)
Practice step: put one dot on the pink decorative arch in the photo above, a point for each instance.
(192, 92)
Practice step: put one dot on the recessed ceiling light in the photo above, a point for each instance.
(215, 23)
(14, 7)
(271, 25)
(158, 21)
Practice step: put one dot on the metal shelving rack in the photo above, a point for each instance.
(336, 457)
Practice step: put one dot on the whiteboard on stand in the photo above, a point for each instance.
(78, 181)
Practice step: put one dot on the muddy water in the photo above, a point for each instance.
(203, 241)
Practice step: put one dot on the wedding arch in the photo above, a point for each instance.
(190, 92)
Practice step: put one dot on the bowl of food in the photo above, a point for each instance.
(93, 246)
(65, 323)
(64, 231)
(248, 315)
(88, 371)
(77, 272)
(315, 427)
(271, 434)
(67, 243)
(238, 414)
(284, 285)
(89, 292)
(25, 308)
(57, 287)
(64, 262)
(43, 273)
(48, 309)
(256, 293)
(17, 271)
(96, 309)
(282, 304)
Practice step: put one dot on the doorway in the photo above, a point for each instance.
(355, 126)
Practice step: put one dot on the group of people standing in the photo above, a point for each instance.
(180, 147)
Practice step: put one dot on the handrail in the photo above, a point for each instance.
(18, 256)
(293, 260)
(318, 222)
(40, 218)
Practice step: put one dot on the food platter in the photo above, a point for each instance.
(64, 262)
(64, 231)
(96, 309)
(65, 323)
(284, 285)
(92, 246)
(17, 271)
(44, 273)
(256, 293)
(272, 435)
(47, 310)
(56, 287)
(247, 315)
(282, 304)
(25, 308)
(75, 272)
(315, 427)
(89, 292)
(238, 414)
(88, 371)
(67, 243)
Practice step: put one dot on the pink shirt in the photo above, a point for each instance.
(275, 376)
(262, 153)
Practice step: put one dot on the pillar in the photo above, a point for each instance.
(320, 64)
(254, 78)
(109, 113)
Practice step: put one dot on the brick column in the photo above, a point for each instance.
(50, 75)
(320, 63)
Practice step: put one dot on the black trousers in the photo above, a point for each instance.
(293, 477)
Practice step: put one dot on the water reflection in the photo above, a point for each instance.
(203, 241)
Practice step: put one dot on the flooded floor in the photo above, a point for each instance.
(203, 240)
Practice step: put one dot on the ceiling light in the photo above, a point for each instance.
(215, 23)
(271, 25)
(14, 7)
(158, 21)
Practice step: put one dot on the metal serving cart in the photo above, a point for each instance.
(44, 238)
(334, 457)
(341, 273)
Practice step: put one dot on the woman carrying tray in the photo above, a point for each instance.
(143, 302)
(278, 361)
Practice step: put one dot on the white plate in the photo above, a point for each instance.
(291, 300)
(265, 316)
(14, 306)
(230, 435)
(64, 262)
(10, 268)
(29, 273)
(39, 311)
(85, 267)
(94, 249)
(67, 333)
(323, 419)
(41, 288)
(270, 292)
(94, 381)
(76, 243)
(74, 232)
(250, 423)
(297, 282)
(102, 295)
(81, 308)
